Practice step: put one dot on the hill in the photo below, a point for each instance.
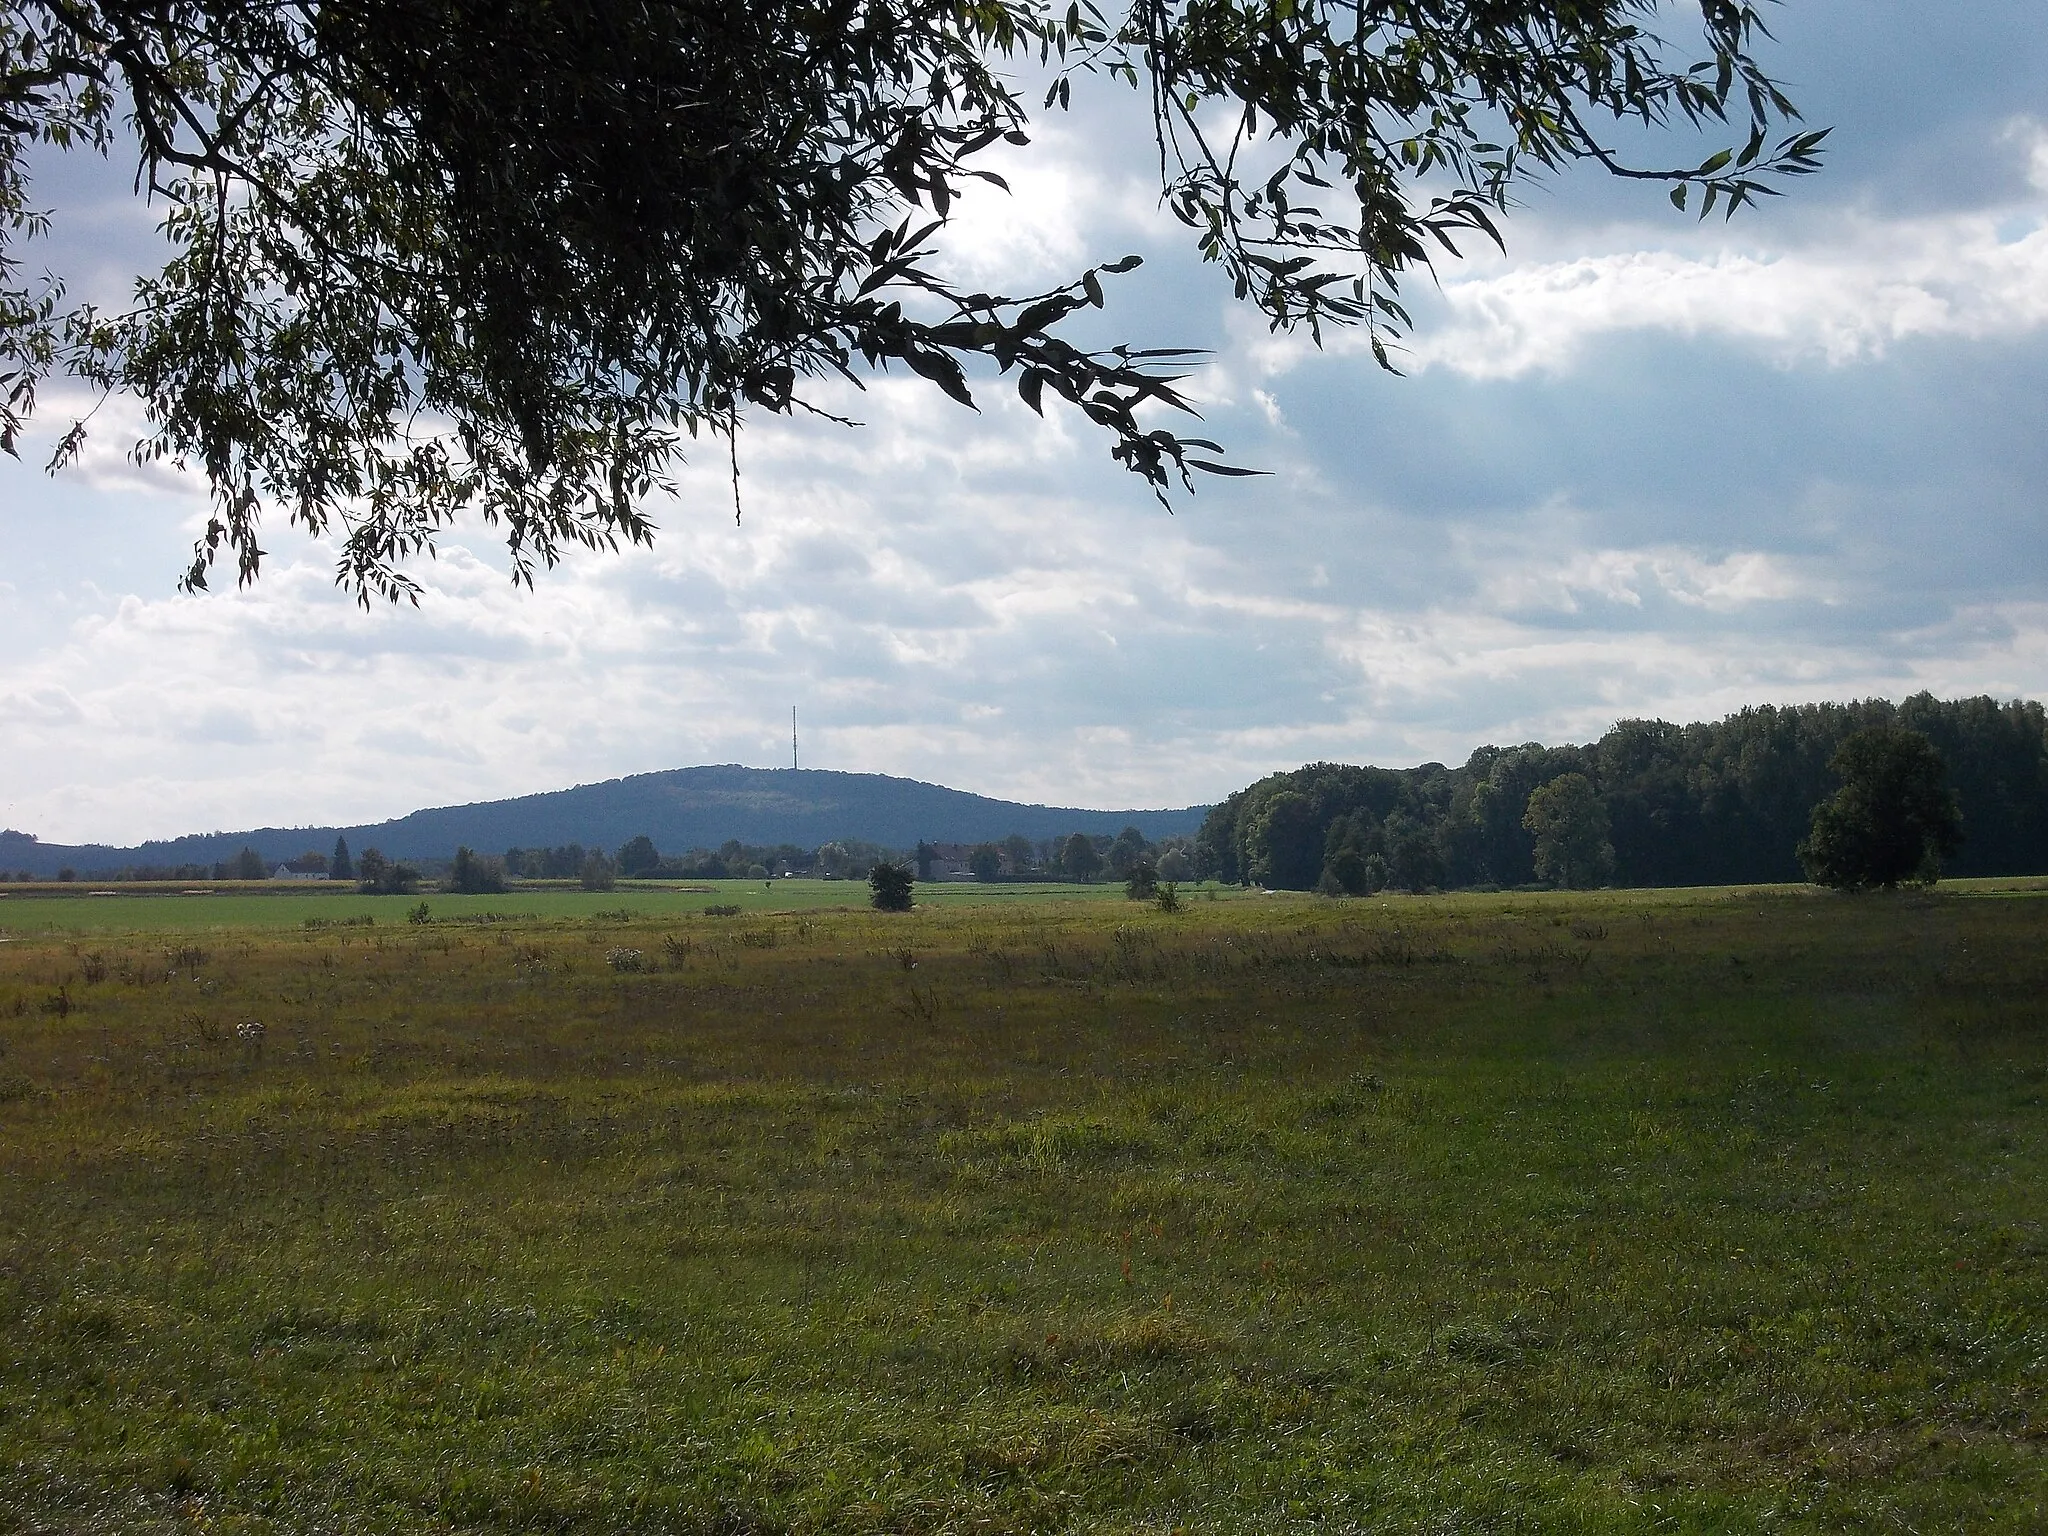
(680, 808)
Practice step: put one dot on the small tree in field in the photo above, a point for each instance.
(1893, 820)
(340, 867)
(598, 874)
(892, 885)
(1570, 824)
(986, 861)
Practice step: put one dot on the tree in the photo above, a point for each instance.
(437, 257)
(986, 860)
(1017, 851)
(377, 875)
(1078, 857)
(639, 858)
(891, 884)
(1283, 846)
(1570, 827)
(1345, 874)
(1141, 881)
(925, 854)
(597, 873)
(1174, 865)
(1414, 862)
(1893, 820)
(475, 876)
(248, 865)
(1128, 851)
(340, 867)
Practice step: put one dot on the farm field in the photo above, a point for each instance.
(111, 909)
(1690, 1211)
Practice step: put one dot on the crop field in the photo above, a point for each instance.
(1685, 1211)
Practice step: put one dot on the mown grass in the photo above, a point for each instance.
(203, 908)
(1532, 1213)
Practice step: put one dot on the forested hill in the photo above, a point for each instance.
(1711, 804)
(679, 809)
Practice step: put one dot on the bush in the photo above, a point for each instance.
(1168, 897)
(891, 884)
(1143, 883)
(598, 874)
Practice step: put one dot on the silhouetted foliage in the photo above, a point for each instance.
(430, 257)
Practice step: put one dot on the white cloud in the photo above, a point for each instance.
(1854, 302)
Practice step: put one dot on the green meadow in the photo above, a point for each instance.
(231, 905)
(1665, 1211)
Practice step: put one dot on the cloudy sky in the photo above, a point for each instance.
(1639, 466)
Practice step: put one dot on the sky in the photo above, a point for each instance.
(1637, 466)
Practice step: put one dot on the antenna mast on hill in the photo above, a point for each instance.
(792, 736)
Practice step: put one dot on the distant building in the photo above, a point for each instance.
(949, 861)
(286, 872)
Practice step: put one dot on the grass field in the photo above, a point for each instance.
(1666, 1211)
(110, 909)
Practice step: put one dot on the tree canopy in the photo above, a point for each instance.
(1716, 803)
(440, 257)
(1893, 820)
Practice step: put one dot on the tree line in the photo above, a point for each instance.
(1649, 804)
